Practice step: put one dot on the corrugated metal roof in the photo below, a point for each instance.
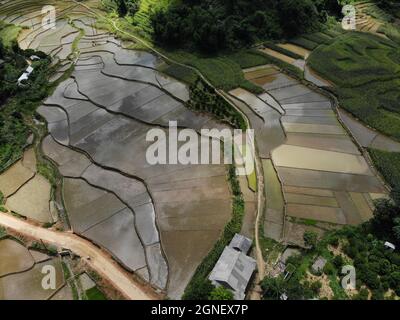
(233, 270)
(241, 243)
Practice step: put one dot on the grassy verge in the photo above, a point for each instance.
(181, 73)
(71, 282)
(39, 246)
(270, 248)
(95, 294)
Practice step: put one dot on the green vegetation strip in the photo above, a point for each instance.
(203, 98)
(70, 281)
(388, 163)
(284, 51)
(225, 71)
(8, 33)
(95, 294)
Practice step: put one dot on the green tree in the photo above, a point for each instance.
(272, 288)
(121, 7)
(329, 269)
(201, 290)
(338, 262)
(316, 287)
(363, 294)
(221, 293)
(310, 239)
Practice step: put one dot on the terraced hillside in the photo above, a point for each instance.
(22, 268)
(365, 70)
(21, 274)
(157, 221)
(315, 175)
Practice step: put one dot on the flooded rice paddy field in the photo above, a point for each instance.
(21, 274)
(367, 137)
(26, 192)
(320, 174)
(158, 221)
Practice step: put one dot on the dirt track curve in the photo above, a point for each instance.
(95, 258)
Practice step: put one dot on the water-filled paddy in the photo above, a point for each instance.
(14, 257)
(312, 159)
(318, 162)
(32, 200)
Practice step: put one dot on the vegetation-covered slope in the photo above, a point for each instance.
(17, 104)
(366, 71)
(212, 25)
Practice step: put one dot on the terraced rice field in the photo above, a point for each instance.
(365, 20)
(26, 191)
(320, 173)
(21, 274)
(157, 221)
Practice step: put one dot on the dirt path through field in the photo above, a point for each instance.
(94, 257)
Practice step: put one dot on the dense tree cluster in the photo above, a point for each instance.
(212, 25)
(18, 103)
(388, 4)
(125, 7)
(377, 267)
(204, 99)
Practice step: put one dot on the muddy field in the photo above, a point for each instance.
(21, 273)
(158, 221)
(321, 175)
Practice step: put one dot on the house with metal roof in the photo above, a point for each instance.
(319, 264)
(241, 243)
(234, 268)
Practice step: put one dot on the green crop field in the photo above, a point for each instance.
(388, 163)
(224, 72)
(366, 72)
(8, 33)
(95, 294)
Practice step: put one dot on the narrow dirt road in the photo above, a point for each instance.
(95, 258)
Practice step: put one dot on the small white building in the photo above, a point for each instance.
(390, 245)
(34, 58)
(25, 75)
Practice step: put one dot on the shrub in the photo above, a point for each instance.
(338, 262)
(310, 238)
(200, 289)
(329, 269)
(221, 293)
(316, 287)
(334, 241)
(363, 294)
(272, 288)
